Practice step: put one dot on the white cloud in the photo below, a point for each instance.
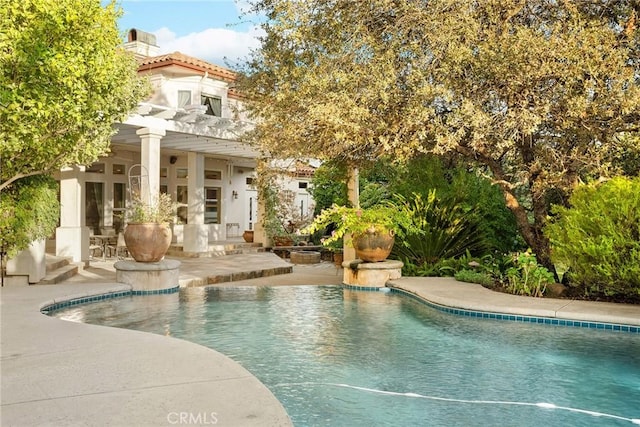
(212, 45)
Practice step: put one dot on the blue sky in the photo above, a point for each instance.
(207, 29)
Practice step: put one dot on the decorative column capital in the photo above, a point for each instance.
(150, 132)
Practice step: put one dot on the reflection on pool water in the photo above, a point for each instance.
(352, 358)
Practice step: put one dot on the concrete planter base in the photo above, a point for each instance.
(371, 274)
(148, 276)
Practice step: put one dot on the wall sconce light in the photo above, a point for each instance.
(234, 194)
(173, 160)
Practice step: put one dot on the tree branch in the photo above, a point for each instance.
(8, 182)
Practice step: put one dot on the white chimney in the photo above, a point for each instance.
(142, 44)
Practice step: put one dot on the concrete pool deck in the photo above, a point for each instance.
(62, 373)
(59, 373)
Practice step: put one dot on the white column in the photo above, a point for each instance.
(72, 237)
(196, 232)
(150, 160)
(353, 193)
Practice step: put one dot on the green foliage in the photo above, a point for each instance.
(376, 219)
(442, 230)
(160, 211)
(424, 270)
(269, 196)
(64, 81)
(329, 186)
(465, 189)
(494, 267)
(527, 277)
(471, 276)
(626, 158)
(374, 193)
(536, 91)
(471, 194)
(283, 217)
(29, 210)
(336, 245)
(598, 238)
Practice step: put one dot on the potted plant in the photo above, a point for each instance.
(148, 235)
(336, 247)
(373, 229)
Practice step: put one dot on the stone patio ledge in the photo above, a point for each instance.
(449, 292)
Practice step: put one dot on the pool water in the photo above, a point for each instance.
(336, 357)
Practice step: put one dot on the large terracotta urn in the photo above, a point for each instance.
(147, 242)
(373, 246)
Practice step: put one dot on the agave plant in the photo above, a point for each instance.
(446, 231)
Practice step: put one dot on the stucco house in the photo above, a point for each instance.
(185, 141)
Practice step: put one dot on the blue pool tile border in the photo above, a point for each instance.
(365, 288)
(101, 297)
(157, 291)
(553, 321)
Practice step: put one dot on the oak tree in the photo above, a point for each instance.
(538, 92)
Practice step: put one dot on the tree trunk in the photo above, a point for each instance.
(532, 233)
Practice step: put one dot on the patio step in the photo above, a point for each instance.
(58, 270)
(56, 262)
(236, 276)
(216, 250)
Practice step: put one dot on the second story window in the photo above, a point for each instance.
(184, 98)
(214, 105)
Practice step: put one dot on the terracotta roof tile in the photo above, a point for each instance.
(178, 58)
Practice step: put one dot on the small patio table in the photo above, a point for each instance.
(104, 240)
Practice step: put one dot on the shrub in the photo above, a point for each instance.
(471, 276)
(459, 186)
(439, 269)
(328, 186)
(468, 190)
(29, 210)
(598, 238)
(527, 277)
(494, 267)
(283, 216)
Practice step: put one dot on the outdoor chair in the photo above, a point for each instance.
(95, 244)
(120, 249)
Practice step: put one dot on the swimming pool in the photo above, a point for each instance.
(353, 358)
